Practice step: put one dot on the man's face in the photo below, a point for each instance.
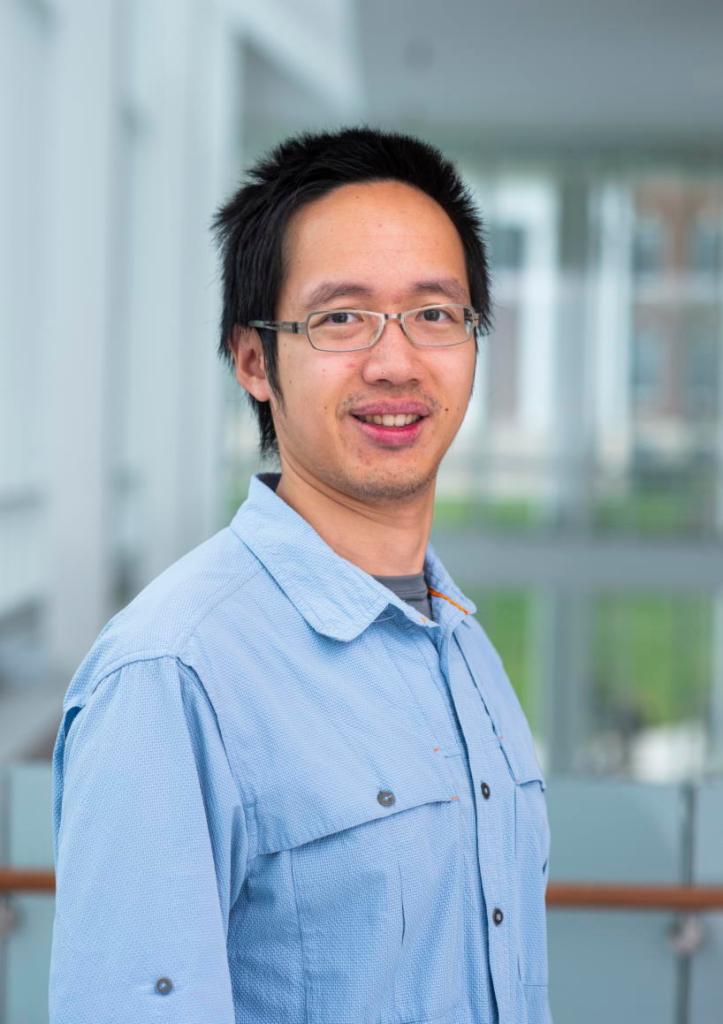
(387, 247)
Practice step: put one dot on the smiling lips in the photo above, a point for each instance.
(392, 424)
(396, 415)
(401, 420)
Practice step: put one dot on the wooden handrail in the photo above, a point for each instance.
(583, 895)
(570, 895)
(26, 880)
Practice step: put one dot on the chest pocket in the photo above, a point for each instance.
(532, 850)
(374, 859)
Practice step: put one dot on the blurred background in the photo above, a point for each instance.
(581, 505)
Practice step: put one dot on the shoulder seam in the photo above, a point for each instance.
(126, 661)
(176, 647)
(222, 594)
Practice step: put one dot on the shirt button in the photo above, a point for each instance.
(385, 797)
(497, 916)
(485, 790)
(164, 986)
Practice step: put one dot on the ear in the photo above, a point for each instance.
(249, 363)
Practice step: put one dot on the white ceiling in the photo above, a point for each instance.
(548, 75)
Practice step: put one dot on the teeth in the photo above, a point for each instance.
(402, 420)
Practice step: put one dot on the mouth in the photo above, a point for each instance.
(391, 430)
(389, 420)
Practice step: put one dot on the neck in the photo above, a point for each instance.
(384, 538)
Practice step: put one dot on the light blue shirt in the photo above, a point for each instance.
(283, 796)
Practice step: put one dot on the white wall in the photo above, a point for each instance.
(123, 129)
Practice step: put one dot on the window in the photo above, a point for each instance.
(653, 671)
(705, 246)
(648, 252)
(647, 368)
(701, 375)
(507, 246)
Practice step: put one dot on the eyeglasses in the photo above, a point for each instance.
(349, 330)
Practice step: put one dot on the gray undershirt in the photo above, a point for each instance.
(412, 589)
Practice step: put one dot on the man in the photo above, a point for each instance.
(292, 781)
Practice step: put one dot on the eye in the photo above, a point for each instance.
(436, 315)
(336, 317)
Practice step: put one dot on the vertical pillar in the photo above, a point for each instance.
(185, 96)
(563, 639)
(564, 614)
(573, 447)
(610, 329)
(74, 316)
(715, 755)
(715, 725)
(535, 206)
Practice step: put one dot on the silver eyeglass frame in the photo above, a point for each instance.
(471, 317)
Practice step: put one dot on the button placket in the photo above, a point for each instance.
(493, 821)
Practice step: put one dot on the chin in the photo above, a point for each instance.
(389, 485)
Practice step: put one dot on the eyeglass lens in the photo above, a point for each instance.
(338, 330)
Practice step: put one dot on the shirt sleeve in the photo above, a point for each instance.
(150, 849)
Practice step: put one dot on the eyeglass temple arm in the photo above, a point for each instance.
(295, 326)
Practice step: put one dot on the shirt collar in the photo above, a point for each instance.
(336, 597)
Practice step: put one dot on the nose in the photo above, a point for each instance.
(393, 357)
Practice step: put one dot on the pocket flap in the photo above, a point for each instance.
(522, 760)
(292, 817)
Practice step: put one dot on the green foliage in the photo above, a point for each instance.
(655, 512)
(505, 616)
(658, 507)
(652, 657)
(651, 654)
(503, 514)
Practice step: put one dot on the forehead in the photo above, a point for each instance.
(383, 235)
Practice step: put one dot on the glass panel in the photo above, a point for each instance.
(26, 842)
(597, 398)
(605, 831)
(651, 685)
(506, 617)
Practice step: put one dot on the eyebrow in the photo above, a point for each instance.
(329, 290)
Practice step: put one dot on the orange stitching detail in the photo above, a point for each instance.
(437, 593)
(435, 749)
(454, 798)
